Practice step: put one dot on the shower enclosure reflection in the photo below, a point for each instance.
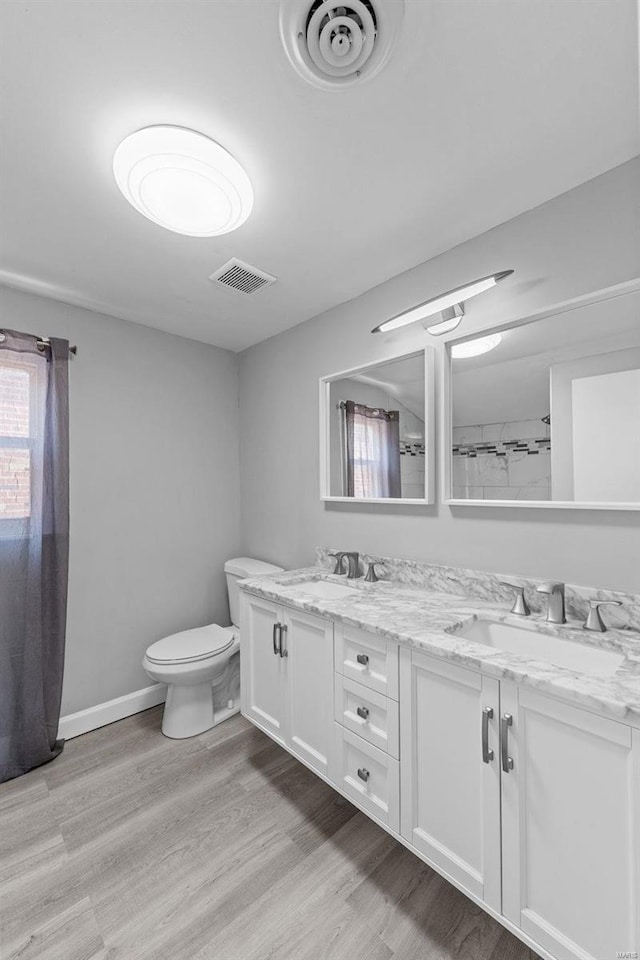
(376, 434)
(549, 414)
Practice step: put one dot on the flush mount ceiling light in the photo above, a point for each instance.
(450, 304)
(183, 181)
(474, 348)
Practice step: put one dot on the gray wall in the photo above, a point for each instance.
(579, 242)
(154, 489)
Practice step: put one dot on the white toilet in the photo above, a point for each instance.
(201, 667)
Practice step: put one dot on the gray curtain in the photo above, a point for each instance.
(34, 547)
(373, 451)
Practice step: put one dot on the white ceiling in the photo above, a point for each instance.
(486, 109)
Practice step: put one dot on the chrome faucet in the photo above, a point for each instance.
(353, 568)
(353, 564)
(555, 605)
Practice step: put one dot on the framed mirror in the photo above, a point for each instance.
(376, 431)
(545, 411)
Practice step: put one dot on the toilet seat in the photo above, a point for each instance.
(190, 646)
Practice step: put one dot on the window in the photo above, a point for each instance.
(372, 451)
(17, 432)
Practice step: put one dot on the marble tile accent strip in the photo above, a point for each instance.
(486, 586)
(499, 449)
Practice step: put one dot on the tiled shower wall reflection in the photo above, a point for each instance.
(502, 461)
(412, 459)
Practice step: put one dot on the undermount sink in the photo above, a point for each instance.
(541, 646)
(325, 590)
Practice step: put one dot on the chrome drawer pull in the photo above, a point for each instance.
(363, 712)
(363, 774)
(505, 723)
(276, 627)
(363, 659)
(283, 632)
(487, 754)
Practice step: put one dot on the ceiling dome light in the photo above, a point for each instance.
(473, 348)
(183, 181)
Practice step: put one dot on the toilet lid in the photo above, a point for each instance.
(197, 644)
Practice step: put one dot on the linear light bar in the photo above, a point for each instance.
(442, 302)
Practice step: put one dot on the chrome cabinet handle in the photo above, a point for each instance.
(283, 650)
(505, 723)
(276, 627)
(487, 754)
(363, 712)
(363, 774)
(363, 659)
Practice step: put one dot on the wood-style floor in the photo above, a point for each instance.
(134, 847)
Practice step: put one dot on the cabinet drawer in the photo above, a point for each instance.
(377, 721)
(368, 659)
(368, 776)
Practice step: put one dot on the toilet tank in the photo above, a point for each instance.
(240, 569)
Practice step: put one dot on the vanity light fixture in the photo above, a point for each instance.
(450, 304)
(183, 181)
(474, 348)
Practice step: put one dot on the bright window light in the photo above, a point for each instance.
(473, 348)
(442, 302)
(183, 181)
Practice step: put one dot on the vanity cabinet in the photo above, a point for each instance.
(450, 779)
(527, 803)
(570, 827)
(287, 678)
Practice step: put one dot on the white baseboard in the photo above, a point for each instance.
(75, 724)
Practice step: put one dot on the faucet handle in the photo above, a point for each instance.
(371, 575)
(339, 558)
(520, 605)
(594, 621)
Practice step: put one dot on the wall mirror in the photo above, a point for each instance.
(545, 411)
(376, 431)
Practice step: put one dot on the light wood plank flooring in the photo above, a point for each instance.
(134, 847)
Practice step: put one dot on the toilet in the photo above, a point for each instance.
(201, 667)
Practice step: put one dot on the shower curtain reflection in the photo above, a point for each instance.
(372, 451)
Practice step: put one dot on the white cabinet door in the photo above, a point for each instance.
(571, 828)
(308, 641)
(450, 797)
(263, 670)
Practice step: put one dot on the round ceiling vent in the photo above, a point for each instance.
(334, 44)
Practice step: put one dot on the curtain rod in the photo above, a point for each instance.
(43, 342)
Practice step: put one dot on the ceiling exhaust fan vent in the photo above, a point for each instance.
(241, 276)
(335, 44)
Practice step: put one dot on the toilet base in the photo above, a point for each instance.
(192, 708)
(188, 710)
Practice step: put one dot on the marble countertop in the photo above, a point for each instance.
(428, 621)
